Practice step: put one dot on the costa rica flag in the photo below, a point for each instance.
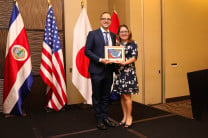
(18, 77)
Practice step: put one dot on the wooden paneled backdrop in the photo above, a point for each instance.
(34, 14)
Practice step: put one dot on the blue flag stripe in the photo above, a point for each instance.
(15, 13)
(23, 91)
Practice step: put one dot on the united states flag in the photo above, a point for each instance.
(52, 64)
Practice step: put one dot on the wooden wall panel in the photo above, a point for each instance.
(5, 12)
(3, 37)
(35, 39)
(34, 13)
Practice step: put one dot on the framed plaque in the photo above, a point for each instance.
(115, 53)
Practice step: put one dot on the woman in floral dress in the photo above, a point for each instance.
(126, 82)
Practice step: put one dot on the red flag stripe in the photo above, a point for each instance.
(51, 104)
(60, 82)
(46, 50)
(46, 54)
(46, 66)
(10, 62)
(47, 78)
(14, 31)
(58, 72)
(48, 81)
(57, 92)
(61, 65)
(21, 76)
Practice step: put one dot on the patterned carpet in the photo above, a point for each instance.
(182, 108)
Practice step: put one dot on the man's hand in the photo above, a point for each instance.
(106, 61)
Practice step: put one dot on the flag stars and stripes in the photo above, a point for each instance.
(51, 33)
(52, 68)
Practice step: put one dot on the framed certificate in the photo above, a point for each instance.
(115, 53)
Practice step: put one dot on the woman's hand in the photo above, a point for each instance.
(120, 62)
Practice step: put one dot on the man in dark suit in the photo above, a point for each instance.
(101, 70)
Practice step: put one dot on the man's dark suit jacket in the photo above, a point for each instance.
(94, 49)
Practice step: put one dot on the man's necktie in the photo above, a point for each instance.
(106, 38)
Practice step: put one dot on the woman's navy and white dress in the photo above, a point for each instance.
(126, 80)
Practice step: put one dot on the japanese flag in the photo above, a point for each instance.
(80, 63)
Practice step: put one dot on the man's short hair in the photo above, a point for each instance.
(104, 13)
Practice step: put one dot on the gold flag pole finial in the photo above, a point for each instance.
(114, 7)
(49, 2)
(82, 3)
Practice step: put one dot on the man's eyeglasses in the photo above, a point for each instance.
(108, 19)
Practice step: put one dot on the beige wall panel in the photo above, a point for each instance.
(95, 8)
(185, 42)
(72, 9)
(122, 9)
(152, 51)
(135, 20)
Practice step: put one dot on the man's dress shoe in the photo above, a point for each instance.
(101, 126)
(109, 123)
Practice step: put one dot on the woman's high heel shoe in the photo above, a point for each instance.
(122, 123)
(127, 126)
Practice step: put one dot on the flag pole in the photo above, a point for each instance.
(82, 4)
